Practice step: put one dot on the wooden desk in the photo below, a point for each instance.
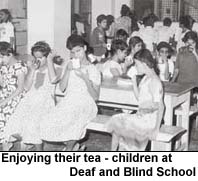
(121, 96)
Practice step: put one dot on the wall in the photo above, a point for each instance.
(49, 20)
(40, 21)
(62, 28)
(100, 7)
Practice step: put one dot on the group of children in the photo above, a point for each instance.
(30, 110)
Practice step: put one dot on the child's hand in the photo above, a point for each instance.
(82, 75)
(51, 56)
(33, 64)
(70, 66)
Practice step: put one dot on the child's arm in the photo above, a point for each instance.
(135, 87)
(53, 76)
(167, 74)
(93, 89)
(64, 81)
(20, 88)
(115, 72)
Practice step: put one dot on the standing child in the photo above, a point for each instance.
(37, 101)
(98, 41)
(12, 75)
(6, 27)
(80, 83)
(112, 67)
(131, 132)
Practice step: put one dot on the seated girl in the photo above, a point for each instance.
(12, 76)
(131, 132)
(135, 44)
(37, 101)
(67, 121)
(112, 67)
(165, 64)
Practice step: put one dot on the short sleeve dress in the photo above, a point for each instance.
(9, 85)
(68, 120)
(134, 126)
(35, 104)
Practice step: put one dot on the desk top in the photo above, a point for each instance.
(174, 89)
(177, 89)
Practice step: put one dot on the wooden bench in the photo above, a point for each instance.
(163, 141)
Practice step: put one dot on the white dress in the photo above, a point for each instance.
(68, 120)
(134, 126)
(36, 103)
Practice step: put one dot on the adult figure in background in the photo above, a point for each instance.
(6, 27)
(186, 67)
(124, 21)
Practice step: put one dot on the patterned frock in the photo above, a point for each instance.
(26, 119)
(8, 87)
(68, 120)
(137, 127)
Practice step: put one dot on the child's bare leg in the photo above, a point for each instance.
(114, 142)
(38, 147)
(69, 145)
(7, 146)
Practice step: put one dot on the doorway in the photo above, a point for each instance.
(143, 8)
(81, 9)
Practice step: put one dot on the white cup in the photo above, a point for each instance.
(76, 63)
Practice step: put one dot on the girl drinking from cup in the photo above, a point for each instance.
(80, 84)
(131, 132)
(37, 101)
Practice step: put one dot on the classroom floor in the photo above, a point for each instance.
(97, 141)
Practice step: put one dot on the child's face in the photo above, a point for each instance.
(163, 53)
(121, 54)
(140, 67)
(191, 44)
(40, 58)
(137, 47)
(3, 16)
(78, 52)
(4, 59)
(103, 24)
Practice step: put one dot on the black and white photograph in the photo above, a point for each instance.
(98, 75)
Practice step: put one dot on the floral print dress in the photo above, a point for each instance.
(8, 86)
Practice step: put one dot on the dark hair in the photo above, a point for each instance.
(110, 19)
(164, 44)
(100, 18)
(146, 57)
(6, 11)
(5, 48)
(125, 10)
(118, 45)
(135, 40)
(185, 21)
(191, 35)
(41, 46)
(148, 21)
(121, 34)
(167, 22)
(75, 40)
